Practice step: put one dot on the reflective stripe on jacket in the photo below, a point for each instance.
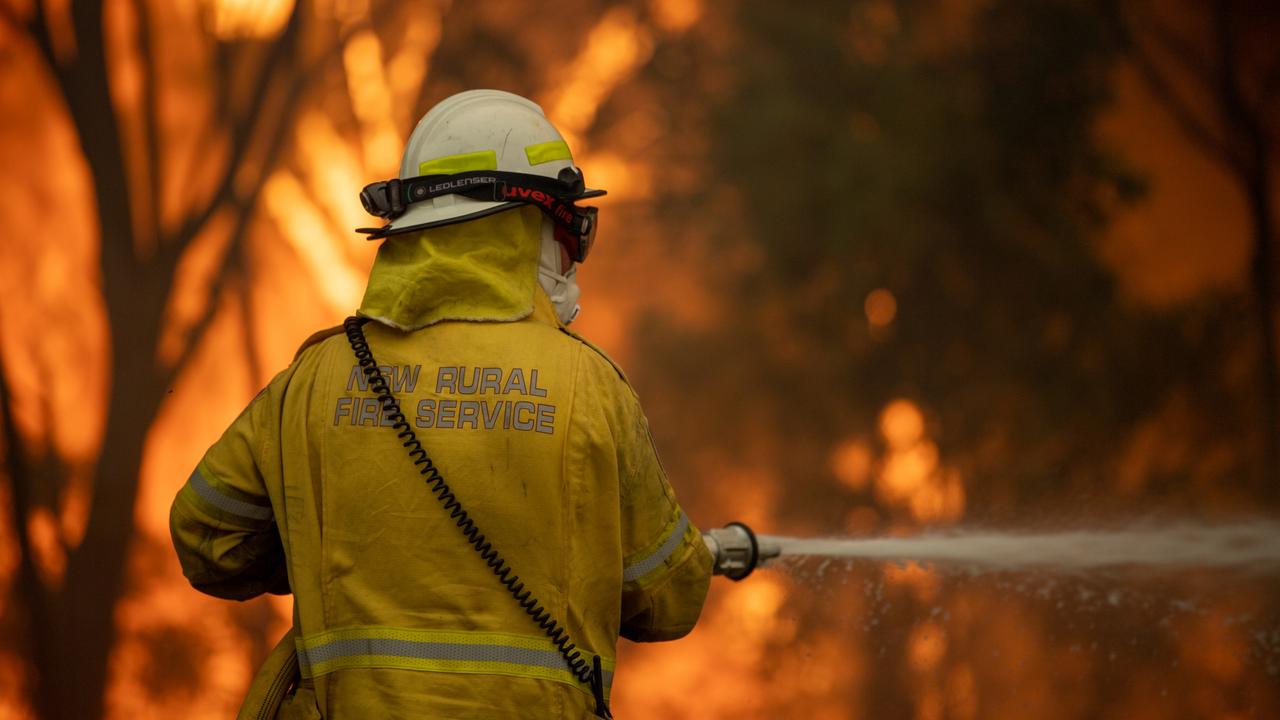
(544, 443)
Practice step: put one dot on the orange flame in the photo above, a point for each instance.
(965, 652)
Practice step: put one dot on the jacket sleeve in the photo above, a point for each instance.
(222, 523)
(666, 565)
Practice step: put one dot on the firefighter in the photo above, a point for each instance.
(524, 426)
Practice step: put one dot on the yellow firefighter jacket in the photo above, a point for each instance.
(540, 437)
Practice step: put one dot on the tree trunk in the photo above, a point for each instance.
(83, 629)
(1264, 272)
(79, 629)
(1254, 168)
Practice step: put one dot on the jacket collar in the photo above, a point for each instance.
(481, 270)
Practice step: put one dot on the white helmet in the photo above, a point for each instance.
(507, 153)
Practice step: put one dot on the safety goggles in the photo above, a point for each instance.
(575, 225)
(578, 241)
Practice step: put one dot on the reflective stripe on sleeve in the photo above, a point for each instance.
(224, 502)
(438, 651)
(638, 569)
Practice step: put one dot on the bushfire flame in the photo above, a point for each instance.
(963, 653)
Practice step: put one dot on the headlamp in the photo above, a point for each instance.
(383, 199)
(575, 226)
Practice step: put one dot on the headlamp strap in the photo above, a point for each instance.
(555, 197)
(494, 185)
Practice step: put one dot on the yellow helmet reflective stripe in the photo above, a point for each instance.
(548, 152)
(464, 162)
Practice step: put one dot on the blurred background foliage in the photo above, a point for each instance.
(962, 175)
(873, 266)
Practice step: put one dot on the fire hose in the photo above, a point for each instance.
(737, 550)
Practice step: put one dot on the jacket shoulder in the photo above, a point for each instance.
(316, 338)
(599, 354)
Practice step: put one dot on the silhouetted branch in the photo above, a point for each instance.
(85, 86)
(1230, 94)
(1198, 131)
(219, 80)
(1255, 175)
(1178, 49)
(150, 119)
(11, 18)
(1270, 88)
(35, 596)
(37, 28)
(252, 365)
(247, 205)
(242, 132)
(200, 328)
(15, 467)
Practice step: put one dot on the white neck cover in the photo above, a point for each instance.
(562, 288)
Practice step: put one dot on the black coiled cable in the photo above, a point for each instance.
(589, 674)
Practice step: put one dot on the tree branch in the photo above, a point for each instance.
(1270, 88)
(221, 108)
(1198, 131)
(35, 595)
(198, 331)
(1179, 49)
(10, 18)
(15, 466)
(241, 135)
(254, 367)
(150, 120)
(248, 204)
(1230, 94)
(36, 27)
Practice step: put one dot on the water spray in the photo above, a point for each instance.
(1250, 547)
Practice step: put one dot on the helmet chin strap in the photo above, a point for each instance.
(561, 287)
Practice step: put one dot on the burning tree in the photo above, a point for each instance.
(221, 146)
(878, 306)
(182, 116)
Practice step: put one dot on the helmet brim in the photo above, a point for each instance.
(424, 216)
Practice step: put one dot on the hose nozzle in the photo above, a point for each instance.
(737, 550)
